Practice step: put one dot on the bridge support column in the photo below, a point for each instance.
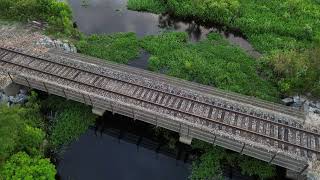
(11, 89)
(98, 111)
(185, 139)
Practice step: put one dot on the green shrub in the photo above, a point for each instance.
(254, 167)
(22, 166)
(211, 62)
(30, 112)
(219, 11)
(294, 71)
(118, 47)
(17, 132)
(31, 140)
(213, 159)
(155, 6)
(72, 120)
(208, 166)
(268, 42)
(269, 25)
(10, 126)
(57, 14)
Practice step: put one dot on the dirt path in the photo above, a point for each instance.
(22, 36)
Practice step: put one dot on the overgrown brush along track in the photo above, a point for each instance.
(227, 118)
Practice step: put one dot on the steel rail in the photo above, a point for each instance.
(170, 108)
(179, 96)
(217, 92)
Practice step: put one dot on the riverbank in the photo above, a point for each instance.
(285, 32)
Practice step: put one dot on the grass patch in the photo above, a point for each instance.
(118, 47)
(73, 119)
(272, 27)
(57, 14)
(294, 71)
(213, 159)
(296, 21)
(266, 43)
(211, 62)
(154, 6)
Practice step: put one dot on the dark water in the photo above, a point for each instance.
(104, 157)
(140, 62)
(111, 16)
(118, 148)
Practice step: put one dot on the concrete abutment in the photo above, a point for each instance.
(98, 111)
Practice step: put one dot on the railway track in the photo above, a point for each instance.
(293, 111)
(262, 128)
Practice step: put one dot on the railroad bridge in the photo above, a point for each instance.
(267, 131)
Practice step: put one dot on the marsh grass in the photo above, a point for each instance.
(280, 21)
(211, 62)
(118, 47)
(73, 120)
(154, 6)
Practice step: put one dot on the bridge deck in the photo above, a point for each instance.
(274, 135)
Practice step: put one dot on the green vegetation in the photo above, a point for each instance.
(57, 14)
(10, 126)
(255, 167)
(293, 20)
(294, 71)
(17, 132)
(210, 163)
(276, 28)
(73, 119)
(119, 47)
(212, 62)
(154, 6)
(22, 166)
(20, 131)
(208, 166)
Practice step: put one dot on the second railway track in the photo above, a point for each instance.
(264, 129)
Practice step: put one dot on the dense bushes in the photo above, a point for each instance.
(119, 47)
(277, 28)
(155, 6)
(280, 21)
(213, 159)
(17, 134)
(57, 14)
(219, 11)
(212, 62)
(71, 121)
(208, 166)
(10, 126)
(20, 131)
(22, 166)
(295, 72)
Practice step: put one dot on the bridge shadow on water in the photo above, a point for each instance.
(119, 148)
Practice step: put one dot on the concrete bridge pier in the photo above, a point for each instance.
(185, 139)
(98, 111)
(11, 89)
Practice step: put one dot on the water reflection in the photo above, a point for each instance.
(111, 16)
(142, 61)
(119, 148)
